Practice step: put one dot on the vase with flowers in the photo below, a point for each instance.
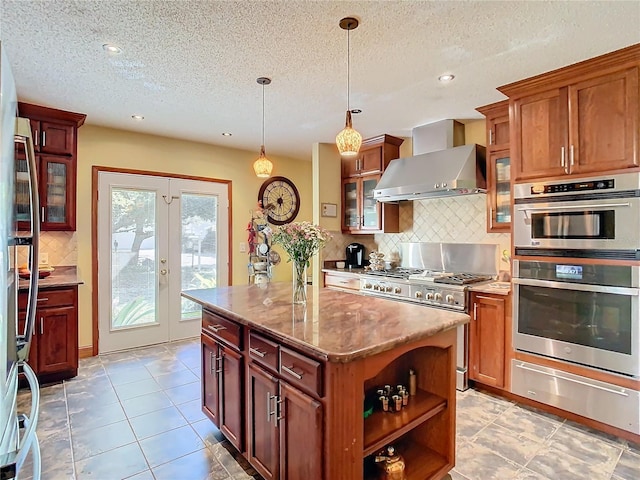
(301, 241)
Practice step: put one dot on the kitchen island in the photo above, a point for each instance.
(286, 383)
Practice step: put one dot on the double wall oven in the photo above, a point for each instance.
(576, 293)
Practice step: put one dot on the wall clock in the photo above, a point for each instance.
(280, 200)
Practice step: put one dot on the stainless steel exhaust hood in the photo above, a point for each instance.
(446, 172)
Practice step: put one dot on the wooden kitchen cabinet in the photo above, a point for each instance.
(361, 213)
(222, 378)
(55, 143)
(579, 120)
(54, 347)
(498, 167)
(285, 428)
(489, 338)
(342, 280)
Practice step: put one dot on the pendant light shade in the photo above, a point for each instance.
(263, 166)
(348, 140)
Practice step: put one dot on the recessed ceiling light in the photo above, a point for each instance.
(226, 134)
(111, 49)
(355, 111)
(446, 78)
(137, 117)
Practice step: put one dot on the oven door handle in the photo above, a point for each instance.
(628, 291)
(573, 207)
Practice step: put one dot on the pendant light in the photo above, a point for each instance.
(263, 166)
(348, 140)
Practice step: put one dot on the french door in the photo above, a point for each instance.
(156, 237)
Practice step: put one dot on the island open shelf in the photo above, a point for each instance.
(382, 428)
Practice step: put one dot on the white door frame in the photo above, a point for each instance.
(224, 251)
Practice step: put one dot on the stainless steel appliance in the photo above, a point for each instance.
(355, 255)
(17, 431)
(582, 313)
(423, 280)
(592, 217)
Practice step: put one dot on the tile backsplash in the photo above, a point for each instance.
(454, 219)
(61, 247)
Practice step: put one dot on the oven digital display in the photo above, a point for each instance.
(572, 272)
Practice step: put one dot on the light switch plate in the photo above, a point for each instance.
(243, 247)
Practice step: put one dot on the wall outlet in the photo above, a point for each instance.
(44, 258)
(243, 247)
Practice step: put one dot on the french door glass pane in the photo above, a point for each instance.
(134, 282)
(198, 246)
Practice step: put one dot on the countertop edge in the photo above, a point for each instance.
(462, 318)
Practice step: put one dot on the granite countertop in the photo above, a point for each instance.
(335, 326)
(62, 276)
(497, 288)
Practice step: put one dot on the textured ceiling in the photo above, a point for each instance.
(190, 67)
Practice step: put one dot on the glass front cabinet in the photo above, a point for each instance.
(55, 143)
(498, 167)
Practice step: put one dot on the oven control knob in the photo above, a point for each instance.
(449, 298)
(367, 285)
(388, 289)
(430, 296)
(437, 297)
(376, 287)
(418, 294)
(397, 290)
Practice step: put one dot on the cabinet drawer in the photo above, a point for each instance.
(590, 398)
(50, 298)
(301, 371)
(226, 330)
(263, 351)
(340, 281)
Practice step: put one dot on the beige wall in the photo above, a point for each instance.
(98, 146)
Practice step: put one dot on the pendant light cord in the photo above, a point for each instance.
(348, 66)
(263, 114)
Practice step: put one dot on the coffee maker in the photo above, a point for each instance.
(355, 255)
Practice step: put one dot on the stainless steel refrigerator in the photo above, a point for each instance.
(17, 429)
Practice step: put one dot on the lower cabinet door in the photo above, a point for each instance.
(58, 340)
(232, 396)
(487, 340)
(300, 435)
(263, 448)
(210, 380)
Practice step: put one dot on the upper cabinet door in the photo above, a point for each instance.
(604, 122)
(57, 138)
(540, 138)
(371, 161)
(498, 131)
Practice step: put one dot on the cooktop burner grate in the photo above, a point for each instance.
(461, 279)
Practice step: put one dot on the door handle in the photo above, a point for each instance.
(44, 138)
(163, 271)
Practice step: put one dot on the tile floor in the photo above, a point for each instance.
(136, 415)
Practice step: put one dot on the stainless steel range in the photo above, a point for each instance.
(422, 280)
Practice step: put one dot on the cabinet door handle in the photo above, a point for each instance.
(491, 217)
(35, 138)
(257, 352)
(44, 138)
(475, 311)
(41, 326)
(272, 404)
(562, 157)
(279, 415)
(291, 372)
(490, 137)
(216, 328)
(571, 155)
(220, 358)
(212, 366)
(42, 217)
(43, 299)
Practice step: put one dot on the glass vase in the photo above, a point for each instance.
(299, 282)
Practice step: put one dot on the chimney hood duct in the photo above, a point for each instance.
(460, 170)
